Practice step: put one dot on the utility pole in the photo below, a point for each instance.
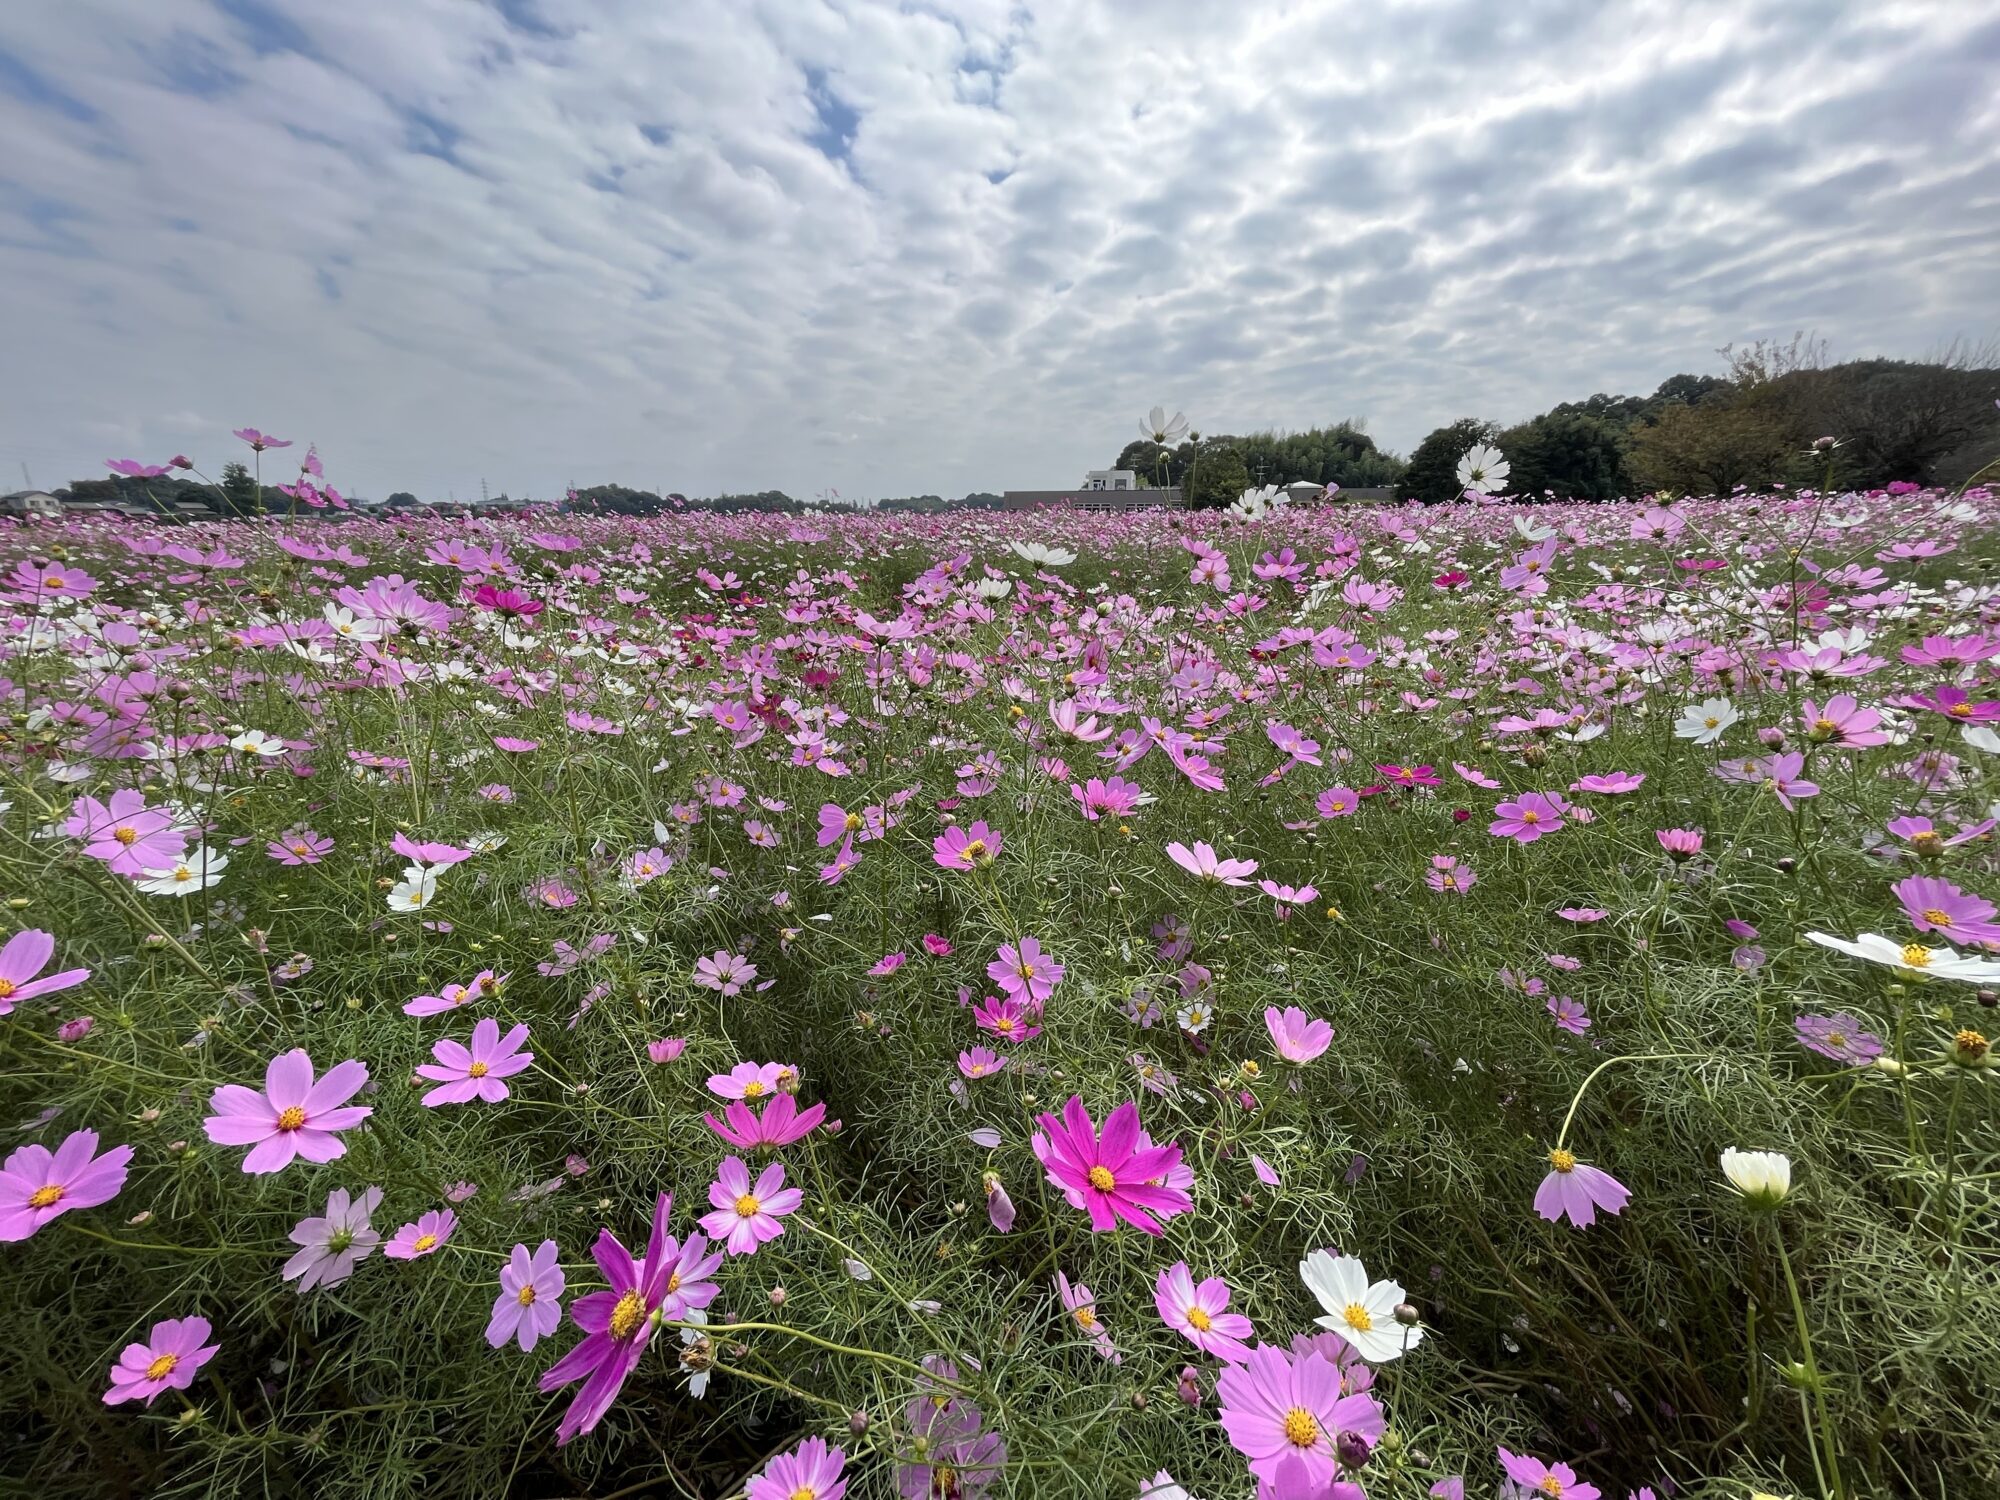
(483, 495)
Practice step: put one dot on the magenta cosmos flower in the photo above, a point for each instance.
(25, 956)
(294, 1116)
(422, 1238)
(812, 1472)
(529, 1307)
(479, 1071)
(747, 1217)
(1110, 1177)
(1204, 863)
(260, 441)
(781, 1123)
(1296, 1035)
(616, 1324)
(971, 848)
(1024, 972)
(1199, 1313)
(169, 1359)
(1545, 1479)
(1576, 1190)
(37, 1184)
(1277, 1406)
(1528, 817)
(1936, 905)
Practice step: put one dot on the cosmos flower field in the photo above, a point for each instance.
(1387, 1002)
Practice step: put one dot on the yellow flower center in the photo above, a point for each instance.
(44, 1197)
(1301, 1427)
(1916, 956)
(1825, 726)
(1836, 1039)
(1710, 723)
(1937, 918)
(1960, 710)
(747, 1206)
(1531, 816)
(1356, 1317)
(1086, 1317)
(804, 1492)
(162, 1367)
(301, 849)
(853, 821)
(6, 988)
(1026, 971)
(424, 1242)
(1102, 1180)
(1550, 1485)
(126, 836)
(1004, 1025)
(753, 1090)
(627, 1316)
(1970, 1045)
(1199, 1320)
(293, 1118)
(1562, 1161)
(674, 1281)
(477, 1070)
(974, 848)
(526, 1296)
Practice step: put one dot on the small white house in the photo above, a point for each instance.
(31, 503)
(1110, 479)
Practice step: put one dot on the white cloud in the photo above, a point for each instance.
(728, 244)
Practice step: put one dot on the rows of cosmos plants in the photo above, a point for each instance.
(1404, 1003)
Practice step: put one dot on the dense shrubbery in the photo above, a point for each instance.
(909, 843)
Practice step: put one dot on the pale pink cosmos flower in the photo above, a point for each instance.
(1297, 1037)
(666, 1049)
(725, 973)
(1024, 972)
(25, 956)
(966, 848)
(294, 1116)
(423, 1237)
(980, 1062)
(1199, 1313)
(1081, 1305)
(747, 1080)
(529, 1307)
(130, 837)
(479, 1071)
(747, 1217)
(168, 1360)
(1203, 863)
(1576, 1190)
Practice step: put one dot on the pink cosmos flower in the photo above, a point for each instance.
(1843, 722)
(747, 1080)
(1286, 897)
(1025, 972)
(1203, 863)
(781, 1123)
(886, 965)
(1337, 802)
(1279, 1407)
(37, 1184)
(1680, 843)
(937, 947)
(725, 973)
(529, 1307)
(333, 1243)
(1611, 783)
(1110, 1177)
(971, 848)
(26, 955)
(666, 1049)
(130, 837)
(293, 1116)
(441, 855)
(1199, 1313)
(259, 441)
(507, 602)
(1113, 798)
(1528, 817)
(836, 824)
(169, 1359)
(1838, 1036)
(1007, 1019)
(1537, 1477)
(1569, 1014)
(812, 1472)
(1576, 1190)
(482, 986)
(1296, 1036)
(980, 1063)
(747, 1217)
(999, 1207)
(1583, 915)
(1954, 703)
(617, 1324)
(478, 1072)
(423, 1237)
(1936, 905)
(1448, 875)
(1079, 1302)
(299, 846)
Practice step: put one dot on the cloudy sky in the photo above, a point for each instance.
(894, 246)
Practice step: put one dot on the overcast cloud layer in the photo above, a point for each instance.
(944, 245)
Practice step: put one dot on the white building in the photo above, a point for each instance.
(1110, 479)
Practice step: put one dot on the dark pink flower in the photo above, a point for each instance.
(1112, 1176)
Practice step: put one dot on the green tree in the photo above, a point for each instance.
(1218, 478)
(1712, 448)
(1432, 472)
(1577, 455)
(239, 490)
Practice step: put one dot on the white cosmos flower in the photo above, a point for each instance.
(1980, 737)
(1157, 428)
(1040, 556)
(348, 627)
(1705, 721)
(256, 742)
(1913, 958)
(1361, 1312)
(1762, 1177)
(196, 870)
(993, 588)
(414, 891)
(1484, 468)
(1532, 531)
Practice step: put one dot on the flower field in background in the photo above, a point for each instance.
(1299, 1003)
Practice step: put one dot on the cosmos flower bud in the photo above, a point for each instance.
(1138, 1401)
(1970, 1049)
(777, 1296)
(1188, 1388)
(1406, 1314)
(1351, 1448)
(1764, 1178)
(1891, 1066)
(858, 1424)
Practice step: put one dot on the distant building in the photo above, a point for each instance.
(1101, 490)
(31, 503)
